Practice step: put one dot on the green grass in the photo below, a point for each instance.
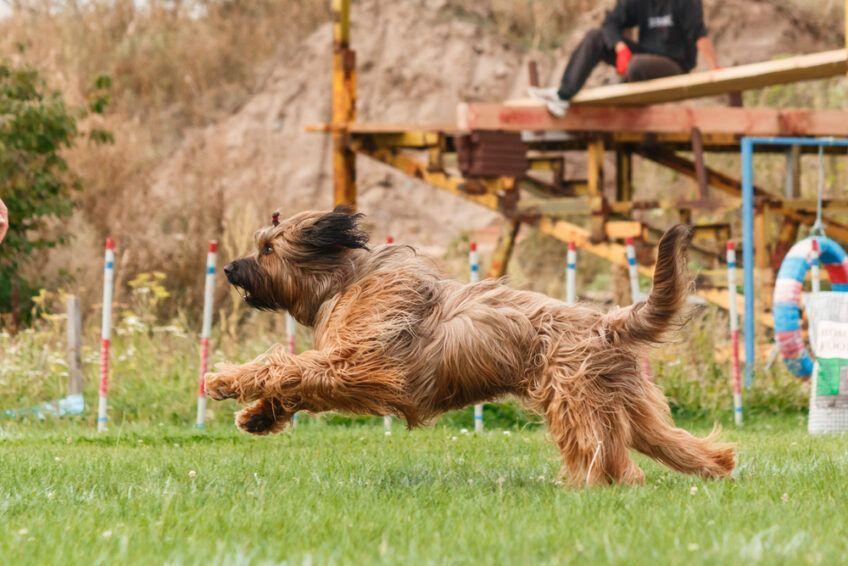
(329, 494)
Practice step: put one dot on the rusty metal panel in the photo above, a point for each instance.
(491, 154)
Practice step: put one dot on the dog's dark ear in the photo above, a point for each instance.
(336, 231)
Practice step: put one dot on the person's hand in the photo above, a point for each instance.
(4, 220)
(623, 55)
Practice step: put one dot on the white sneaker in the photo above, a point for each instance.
(555, 105)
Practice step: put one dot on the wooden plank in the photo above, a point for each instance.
(659, 119)
(595, 184)
(623, 229)
(504, 248)
(723, 81)
(623, 175)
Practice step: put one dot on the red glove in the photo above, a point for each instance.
(622, 60)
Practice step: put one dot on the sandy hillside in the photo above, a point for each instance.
(416, 61)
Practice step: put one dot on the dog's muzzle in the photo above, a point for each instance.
(246, 275)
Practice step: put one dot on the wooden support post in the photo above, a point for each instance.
(700, 165)
(623, 175)
(595, 181)
(344, 106)
(763, 258)
(533, 73)
(792, 189)
(504, 248)
(786, 238)
(75, 379)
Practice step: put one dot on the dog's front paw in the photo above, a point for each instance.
(264, 417)
(221, 385)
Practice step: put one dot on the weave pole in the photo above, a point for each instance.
(291, 332)
(387, 419)
(106, 331)
(636, 294)
(571, 274)
(206, 331)
(736, 369)
(474, 268)
(815, 267)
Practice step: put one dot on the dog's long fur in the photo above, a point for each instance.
(394, 337)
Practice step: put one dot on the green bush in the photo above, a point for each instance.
(35, 181)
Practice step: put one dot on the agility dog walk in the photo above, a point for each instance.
(392, 336)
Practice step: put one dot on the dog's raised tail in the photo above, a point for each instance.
(648, 321)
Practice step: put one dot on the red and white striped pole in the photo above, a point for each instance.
(815, 267)
(106, 331)
(474, 267)
(387, 419)
(291, 331)
(636, 294)
(736, 368)
(571, 274)
(206, 331)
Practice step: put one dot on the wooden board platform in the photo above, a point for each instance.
(658, 119)
(710, 83)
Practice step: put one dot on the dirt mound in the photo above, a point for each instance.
(416, 61)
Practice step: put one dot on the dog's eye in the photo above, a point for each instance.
(268, 249)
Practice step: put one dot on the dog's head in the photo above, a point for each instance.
(300, 262)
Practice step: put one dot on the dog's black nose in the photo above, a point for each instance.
(229, 269)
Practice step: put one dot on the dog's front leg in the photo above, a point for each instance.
(342, 381)
(251, 381)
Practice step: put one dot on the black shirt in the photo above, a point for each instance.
(666, 27)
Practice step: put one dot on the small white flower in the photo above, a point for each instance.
(453, 438)
(388, 433)
(506, 433)
(57, 459)
(464, 431)
(692, 546)
(693, 490)
(192, 474)
(106, 534)
(784, 497)
(23, 532)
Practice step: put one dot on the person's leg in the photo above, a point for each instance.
(591, 51)
(645, 66)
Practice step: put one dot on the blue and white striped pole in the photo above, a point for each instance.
(106, 331)
(635, 292)
(206, 330)
(736, 370)
(474, 266)
(571, 274)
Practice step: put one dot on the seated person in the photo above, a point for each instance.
(671, 34)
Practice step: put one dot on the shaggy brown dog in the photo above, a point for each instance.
(393, 337)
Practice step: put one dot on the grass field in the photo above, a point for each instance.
(330, 494)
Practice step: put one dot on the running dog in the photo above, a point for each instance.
(394, 337)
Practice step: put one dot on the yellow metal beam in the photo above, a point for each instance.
(344, 106)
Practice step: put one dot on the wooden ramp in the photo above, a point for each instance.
(657, 119)
(711, 83)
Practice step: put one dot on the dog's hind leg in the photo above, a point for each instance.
(593, 444)
(655, 435)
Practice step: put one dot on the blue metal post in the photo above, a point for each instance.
(748, 253)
